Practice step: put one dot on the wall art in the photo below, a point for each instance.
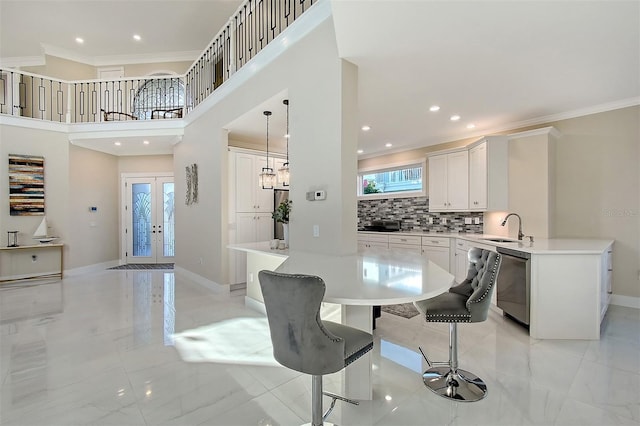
(26, 185)
(192, 184)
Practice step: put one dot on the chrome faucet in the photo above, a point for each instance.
(504, 222)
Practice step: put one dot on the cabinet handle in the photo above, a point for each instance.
(609, 292)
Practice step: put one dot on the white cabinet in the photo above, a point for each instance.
(461, 260)
(449, 181)
(569, 294)
(436, 249)
(250, 208)
(366, 240)
(249, 195)
(405, 242)
(606, 281)
(250, 227)
(489, 174)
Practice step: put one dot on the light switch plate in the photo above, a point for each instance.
(467, 221)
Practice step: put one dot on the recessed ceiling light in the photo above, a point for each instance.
(79, 40)
(454, 117)
(366, 128)
(388, 144)
(360, 151)
(471, 126)
(145, 142)
(117, 143)
(137, 37)
(434, 108)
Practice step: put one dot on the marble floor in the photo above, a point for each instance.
(102, 349)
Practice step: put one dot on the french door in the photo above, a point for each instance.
(149, 219)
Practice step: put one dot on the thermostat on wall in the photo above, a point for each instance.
(320, 195)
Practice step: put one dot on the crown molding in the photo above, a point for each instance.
(108, 60)
(547, 119)
(22, 61)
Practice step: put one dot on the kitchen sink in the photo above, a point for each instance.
(500, 240)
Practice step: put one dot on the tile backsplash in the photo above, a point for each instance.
(414, 215)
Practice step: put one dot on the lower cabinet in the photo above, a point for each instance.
(461, 260)
(569, 294)
(436, 249)
(250, 227)
(405, 242)
(372, 240)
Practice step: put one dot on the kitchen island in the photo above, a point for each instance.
(569, 278)
(356, 282)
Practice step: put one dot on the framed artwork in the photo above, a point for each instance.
(192, 184)
(26, 185)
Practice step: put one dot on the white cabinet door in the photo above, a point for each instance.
(250, 196)
(462, 265)
(438, 182)
(458, 180)
(478, 177)
(449, 181)
(405, 247)
(245, 182)
(438, 255)
(263, 197)
(264, 227)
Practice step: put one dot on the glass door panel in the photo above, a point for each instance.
(150, 220)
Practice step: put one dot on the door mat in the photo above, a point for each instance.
(145, 266)
(404, 310)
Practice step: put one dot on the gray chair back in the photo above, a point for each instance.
(480, 283)
(300, 341)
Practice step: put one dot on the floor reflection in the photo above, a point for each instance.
(233, 341)
(30, 300)
(153, 295)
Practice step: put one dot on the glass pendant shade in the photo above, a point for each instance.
(283, 174)
(267, 178)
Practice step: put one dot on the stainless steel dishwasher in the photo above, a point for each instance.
(514, 284)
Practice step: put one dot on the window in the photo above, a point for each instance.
(399, 180)
(159, 94)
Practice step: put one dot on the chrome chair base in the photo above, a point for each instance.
(459, 385)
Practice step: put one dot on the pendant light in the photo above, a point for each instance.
(283, 172)
(267, 177)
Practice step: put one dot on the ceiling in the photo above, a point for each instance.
(498, 65)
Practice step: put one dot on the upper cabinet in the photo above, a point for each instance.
(449, 181)
(474, 178)
(250, 197)
(489, 174)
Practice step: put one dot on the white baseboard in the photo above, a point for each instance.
(211, 285)
(96, 267)
(254, 304)
(627, 301)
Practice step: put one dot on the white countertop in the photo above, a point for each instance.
(261, 247)
(539, 246)
(370, 277)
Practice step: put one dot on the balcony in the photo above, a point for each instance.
(255, 24)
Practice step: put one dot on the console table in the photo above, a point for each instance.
(22, 263)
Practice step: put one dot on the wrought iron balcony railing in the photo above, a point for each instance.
(254, 25)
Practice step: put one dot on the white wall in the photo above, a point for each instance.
(53, 146)
(322, 154)
(93, 181)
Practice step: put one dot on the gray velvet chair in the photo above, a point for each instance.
(466, 302)
(302, 341)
